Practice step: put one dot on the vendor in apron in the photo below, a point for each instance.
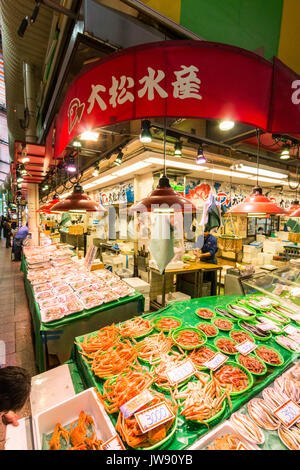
(206, 248)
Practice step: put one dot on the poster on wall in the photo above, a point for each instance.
(121, 194)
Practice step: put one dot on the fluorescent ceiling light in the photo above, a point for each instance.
(132, 168)
(177, 164)
(220, 171)
(104, 179)
(90, 136)
(269, 180)
(261, 171)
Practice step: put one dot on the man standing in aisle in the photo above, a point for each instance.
(7, 232)
(206, 248)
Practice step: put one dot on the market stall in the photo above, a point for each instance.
(65, 300)
(255, 410)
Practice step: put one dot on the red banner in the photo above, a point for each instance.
(175, 79)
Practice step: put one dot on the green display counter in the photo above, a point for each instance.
(57, 337)
(187, 432)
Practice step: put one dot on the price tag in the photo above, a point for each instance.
(246, 347)
(241, 446)
(181, 372)
(288, 413)
(136, 403)
(114, 443)
(291, 330)
(216, 361)
(154, 416)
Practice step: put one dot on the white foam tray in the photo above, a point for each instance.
(219, 431)
(68, 411)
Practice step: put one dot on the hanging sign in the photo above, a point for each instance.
(195, 79)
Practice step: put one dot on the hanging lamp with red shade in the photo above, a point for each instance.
(164, 198)
(78, 201)
(257, 205)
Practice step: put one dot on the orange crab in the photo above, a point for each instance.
(78, 434)
(59, 431)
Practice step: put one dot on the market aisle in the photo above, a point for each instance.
(15, 322)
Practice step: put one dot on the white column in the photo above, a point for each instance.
(33, 205)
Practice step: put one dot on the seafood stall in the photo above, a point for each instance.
(67, 299)
(200, 374)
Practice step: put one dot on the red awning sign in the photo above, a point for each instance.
(191, 79)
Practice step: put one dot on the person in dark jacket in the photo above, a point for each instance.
(206, 248)
(7, 232)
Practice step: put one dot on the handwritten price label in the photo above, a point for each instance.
(216, 361)
(288, 413)
(154, 416)
(136, 403)
(114, 443)
(291, 330)
(246, 347)
(181, 372)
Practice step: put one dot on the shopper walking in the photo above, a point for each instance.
(1, 226)
(18, 241)
(7, 232)
(15, 386)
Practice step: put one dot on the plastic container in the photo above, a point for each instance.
(198, 313)
(200, 333)
(249, 375)
(160, 317)
(211, 324)
(224, 329)
(67, 411)
(260, 338)
(248, 318)
(219, 349)
(253, 373)
(266, 362)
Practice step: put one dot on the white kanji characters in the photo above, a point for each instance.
(94, 96)
(124, 95)
(151, 83)
(187, 84)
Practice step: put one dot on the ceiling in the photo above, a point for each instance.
(31, 48)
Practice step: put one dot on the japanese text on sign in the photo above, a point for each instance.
(181, 372)
(246, 347)
(216, 361)
(288, 413)
(136, 403)
(154, 416)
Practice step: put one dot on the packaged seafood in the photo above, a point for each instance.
(63, 290)
(52, 314)
(288, 343)
(49, 294)
(209, 330)
(68, 411)
(91, 301)
(234, 378)
(42, 287)
(166, 323)
(205, 313)
(290, 437)
(222, 437)
(269, 356)
(188, 338)
(262, 415)
(247, 428)
(223, 324)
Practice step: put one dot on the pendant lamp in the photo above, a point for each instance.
(163, 198)
(295, 208)
(78, 202)
(257, 205)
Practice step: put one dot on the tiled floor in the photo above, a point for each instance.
(15, 321)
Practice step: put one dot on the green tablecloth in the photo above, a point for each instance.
(58, 336)
(187, 433)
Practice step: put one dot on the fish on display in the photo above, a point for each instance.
(242, 311)
(224, 312)
(254, 329)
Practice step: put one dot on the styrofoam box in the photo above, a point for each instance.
(68, 411)
(138, 284)
(250, 249)
(219, 431)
